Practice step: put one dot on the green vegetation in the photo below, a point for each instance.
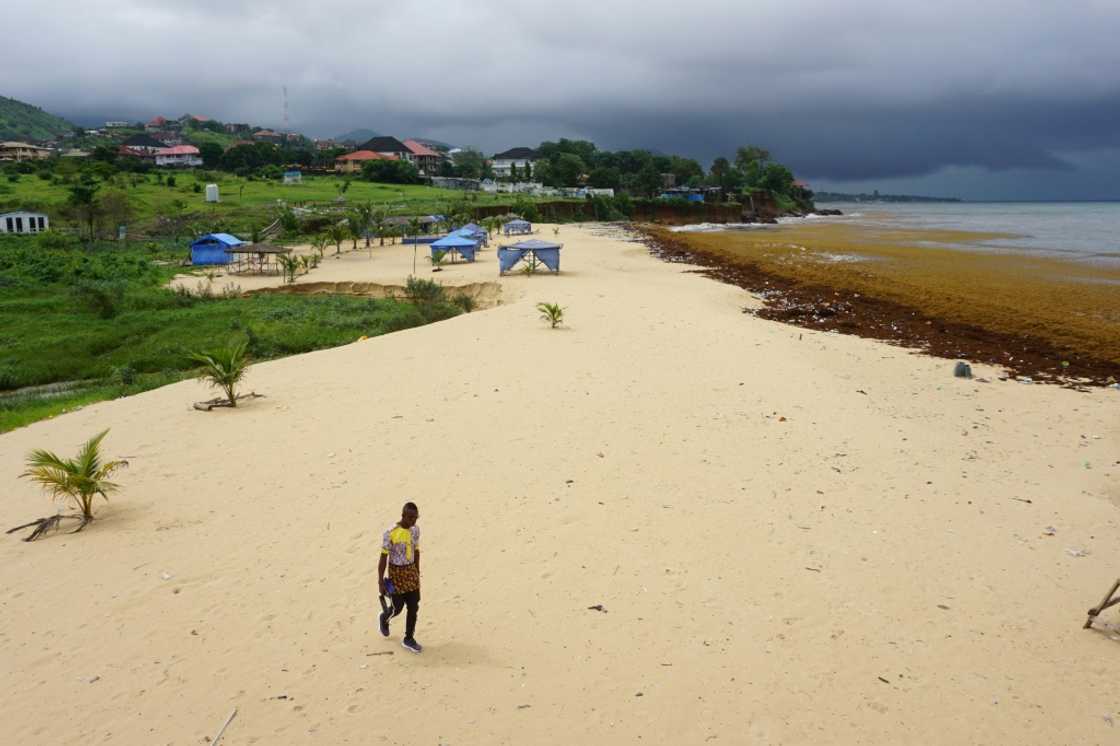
(224, 368)
(152, 206)
(640, 173)
(552, 313)
(95, 323)
(78, 479)
(21, 122)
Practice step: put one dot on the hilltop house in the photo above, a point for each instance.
(353, 162)
(185, 156)
(389, 146)
(141, 146)
(23, 221)
(157, 124)
(234, 128)
(504, 163)
(427, 160)
(22, 151)
(268, 136)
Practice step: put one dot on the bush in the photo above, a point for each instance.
(424, 292)
(125, 375)
(170, 181)
(465, 302)
(526, 209)
(103, 297)
(9, 379)
(390, 172)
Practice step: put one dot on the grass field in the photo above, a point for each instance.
(245, 203)
(101, 321)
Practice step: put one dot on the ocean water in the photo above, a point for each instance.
(1081, 231)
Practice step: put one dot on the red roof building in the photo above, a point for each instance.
(426, 159)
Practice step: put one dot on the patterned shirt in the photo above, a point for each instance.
(401, 544)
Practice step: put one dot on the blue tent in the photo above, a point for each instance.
(465, 247)
(517, 226)
(211, 248)
(474, 233)
(546, 252)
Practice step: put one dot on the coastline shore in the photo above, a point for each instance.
(794, 535)
(1040, 318)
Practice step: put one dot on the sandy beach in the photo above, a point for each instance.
(795, 536)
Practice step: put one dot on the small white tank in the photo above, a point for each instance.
(212, 193)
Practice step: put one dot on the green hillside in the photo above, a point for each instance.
(20, 121)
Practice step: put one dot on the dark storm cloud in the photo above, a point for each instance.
(855, 90)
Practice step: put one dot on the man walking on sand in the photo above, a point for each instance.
(400, 554)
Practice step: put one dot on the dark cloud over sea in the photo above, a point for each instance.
(1022, 96)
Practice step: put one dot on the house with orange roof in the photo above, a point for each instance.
(353, 162)
(183, 156)
(426, 159)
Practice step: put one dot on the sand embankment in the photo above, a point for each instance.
(796, 536)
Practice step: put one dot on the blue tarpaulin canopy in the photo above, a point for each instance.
(211, 248)
(517, 226)
(472, 231)
(465, 247)
(546, 252)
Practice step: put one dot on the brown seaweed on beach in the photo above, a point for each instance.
(815, 306)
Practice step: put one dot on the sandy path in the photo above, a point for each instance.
(636, 459)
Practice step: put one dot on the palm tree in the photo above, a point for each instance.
(337, 234)
(79, 479)
(378, 219)
(354, 230)
(552, 313)
(364, 213)
(290, 264)
(414, 228)
(320, 244)
(224, 369)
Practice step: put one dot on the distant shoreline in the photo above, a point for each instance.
(854, 293)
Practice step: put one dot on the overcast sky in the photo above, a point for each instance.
(975, 98)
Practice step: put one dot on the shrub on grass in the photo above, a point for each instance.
(465, 302)
(103, 297)
(424, 292)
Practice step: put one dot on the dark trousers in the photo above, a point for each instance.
(412, 601)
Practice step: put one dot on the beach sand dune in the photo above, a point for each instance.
(794, 537)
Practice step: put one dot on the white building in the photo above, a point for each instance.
(180, 155)
(23, 221)
(503, 163)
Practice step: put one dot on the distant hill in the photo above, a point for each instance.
(356, 136)
(20, 121)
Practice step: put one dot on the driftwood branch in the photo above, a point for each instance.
(1106, 602)
(206, 406)
(42, 525)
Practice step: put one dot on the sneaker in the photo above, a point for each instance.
(384, 619)
(411, 645)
